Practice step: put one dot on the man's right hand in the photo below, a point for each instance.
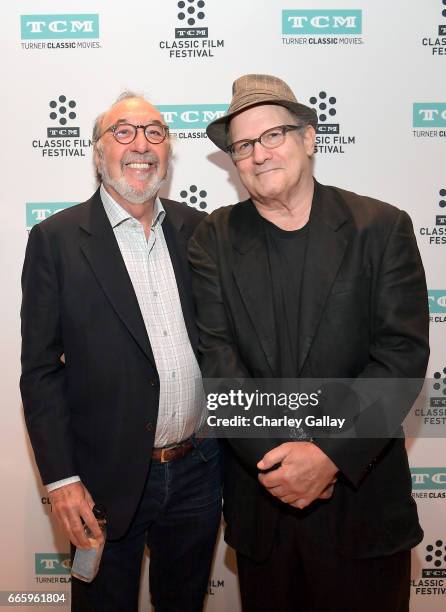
(71, 504)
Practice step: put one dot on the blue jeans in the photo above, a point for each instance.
(178, 518)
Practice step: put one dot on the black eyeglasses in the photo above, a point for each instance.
(270, 139)
(125, 133)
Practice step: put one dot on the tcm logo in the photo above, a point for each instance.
(61, 109)
(428, 478)
(39, 211)
(435, 557)
(437, 301)
(441, 219)
(188, 16)
(190, 13)
(325, 107)
(438, 399)
(192, 196)
(429, 114)
(322, 22)
(191, 117)
(46, 27)
(52, 563)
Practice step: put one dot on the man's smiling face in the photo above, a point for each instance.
(132, 173)
(270, 174)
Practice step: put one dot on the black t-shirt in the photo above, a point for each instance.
(286, 253)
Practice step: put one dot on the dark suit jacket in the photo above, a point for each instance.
(363, 313)
(94, 415)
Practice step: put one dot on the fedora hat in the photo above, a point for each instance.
(252, 90)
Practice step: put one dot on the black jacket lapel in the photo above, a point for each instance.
(329, 232)
(98, 243)
(252, 275)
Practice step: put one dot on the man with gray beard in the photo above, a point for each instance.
(111, 388)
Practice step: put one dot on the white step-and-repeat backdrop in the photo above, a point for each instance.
(375, 72)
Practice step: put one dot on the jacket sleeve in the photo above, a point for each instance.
(42, 383)
(399, 352)
(218, 352)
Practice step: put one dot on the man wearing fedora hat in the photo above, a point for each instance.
(303, 281)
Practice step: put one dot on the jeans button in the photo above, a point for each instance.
(149, 426)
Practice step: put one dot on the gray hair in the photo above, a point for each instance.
(298, 118)
(125, 95)
(97, 125)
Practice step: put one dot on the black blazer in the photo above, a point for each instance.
(95, 413)
(363, 313)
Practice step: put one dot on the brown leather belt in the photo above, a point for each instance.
(170, 453)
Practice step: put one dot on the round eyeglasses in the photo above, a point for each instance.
(125, 133)
(270, 139)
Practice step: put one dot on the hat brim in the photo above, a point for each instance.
(217, 130)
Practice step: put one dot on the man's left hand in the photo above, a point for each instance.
(305, 473)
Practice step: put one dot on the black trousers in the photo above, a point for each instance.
(298, 577)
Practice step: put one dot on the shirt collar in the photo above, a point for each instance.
(117, 215)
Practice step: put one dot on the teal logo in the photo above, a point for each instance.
(191, 116)
(52, 564)
(429, 114)
(321, 21)
(437, 300)
(428, 478)
(39, 211)
(50, 27)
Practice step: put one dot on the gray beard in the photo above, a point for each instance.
(129, 193)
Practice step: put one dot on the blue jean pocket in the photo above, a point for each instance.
(207, 449)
